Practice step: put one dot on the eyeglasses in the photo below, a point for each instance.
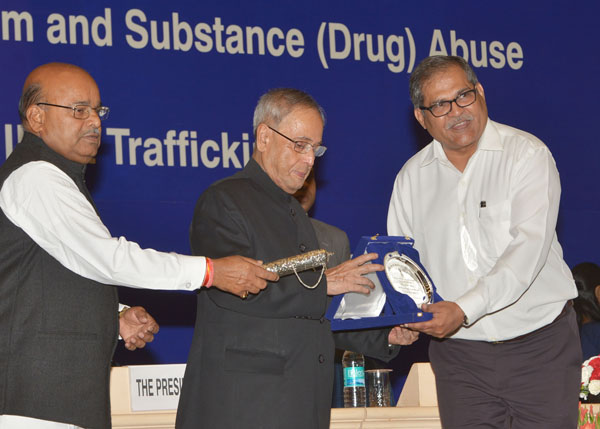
(82, 111)
(442, 108)
(303, 147)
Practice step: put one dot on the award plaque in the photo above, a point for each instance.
(399, 292)
(408, 278)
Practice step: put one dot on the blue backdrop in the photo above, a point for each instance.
(182, 79)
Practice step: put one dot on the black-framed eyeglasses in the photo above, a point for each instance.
(303, 147)
(82, 111)
(442, 108)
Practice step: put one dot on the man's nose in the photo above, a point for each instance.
(310, 156)
(94, 119)
(455, 110)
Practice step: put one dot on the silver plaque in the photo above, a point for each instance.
(408, 278)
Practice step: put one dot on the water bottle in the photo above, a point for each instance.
(355, 392)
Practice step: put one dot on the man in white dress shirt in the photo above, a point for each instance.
(481, 202)
(58, 263)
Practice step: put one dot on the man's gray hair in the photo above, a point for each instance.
(277, 103)
(30, 96)
(431, 66)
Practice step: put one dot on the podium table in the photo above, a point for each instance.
(416, 408)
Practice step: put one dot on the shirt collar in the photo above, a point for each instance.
(68, 166)
(254, 171)
(490, 140)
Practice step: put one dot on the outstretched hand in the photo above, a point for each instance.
(240, 275)
(349, 275)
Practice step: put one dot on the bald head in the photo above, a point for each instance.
(50, 93)
(38, 79)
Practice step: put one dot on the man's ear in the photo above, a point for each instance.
(263, 137)
(597, 293)
(420, 118)
(480, 91)
(36, 118)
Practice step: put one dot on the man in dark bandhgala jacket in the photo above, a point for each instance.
(266, 361)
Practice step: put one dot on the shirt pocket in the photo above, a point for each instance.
(254, 361)
(494, 226)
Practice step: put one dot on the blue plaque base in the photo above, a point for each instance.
(398, 308)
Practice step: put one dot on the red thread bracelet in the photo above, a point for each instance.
(209, 273)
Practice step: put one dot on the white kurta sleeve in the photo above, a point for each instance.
(44, 202)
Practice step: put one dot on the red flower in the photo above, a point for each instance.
(594, 363)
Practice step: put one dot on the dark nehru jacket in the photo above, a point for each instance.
(267, 361)
(58, 330)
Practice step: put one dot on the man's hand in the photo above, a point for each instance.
(348, 276)
(240, 275)
(447, 318)
(401, 336)
(137, 327)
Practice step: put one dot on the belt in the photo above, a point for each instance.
(562, 314)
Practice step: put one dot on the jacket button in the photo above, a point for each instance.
(321, 358)
(293, 212)
(302, 247)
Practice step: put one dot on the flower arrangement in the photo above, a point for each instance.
(588, 419)
(590, 377)
(590, 387)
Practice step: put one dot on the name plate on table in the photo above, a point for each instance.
(155, 387)
(399, 292)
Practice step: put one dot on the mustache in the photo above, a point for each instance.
(463, 117)
(94, 131)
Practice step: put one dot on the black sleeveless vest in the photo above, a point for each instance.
(58, 330)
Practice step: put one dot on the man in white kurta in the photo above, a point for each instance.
(59, 264)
